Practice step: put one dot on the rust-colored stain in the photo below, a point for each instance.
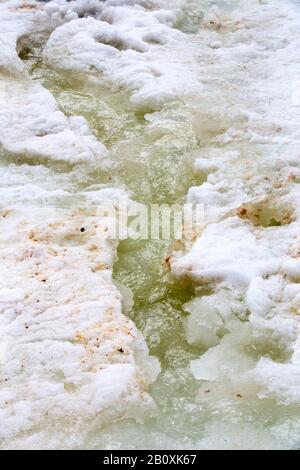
(26, 7)
(99, 267)
(167, 262)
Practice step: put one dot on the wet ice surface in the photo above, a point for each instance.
(225, 328)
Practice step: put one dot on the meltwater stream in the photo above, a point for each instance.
(153, 158)
(155, 166)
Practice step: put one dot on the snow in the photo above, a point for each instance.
(32, 126)
(249, 242)
(68, 354)
(127, 48)
(64, 329)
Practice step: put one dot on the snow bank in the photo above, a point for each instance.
(70, 360)
(33, 127)
(31, 124)
(127, 48)
(68, 354)
(248, 249)
(21, 19)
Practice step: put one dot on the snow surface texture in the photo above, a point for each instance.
(248, 249)
(30, 121)
(128, 47)
(246, 54)
(33, 127)
(68, 354)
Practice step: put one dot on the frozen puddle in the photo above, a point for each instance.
(159, 105)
